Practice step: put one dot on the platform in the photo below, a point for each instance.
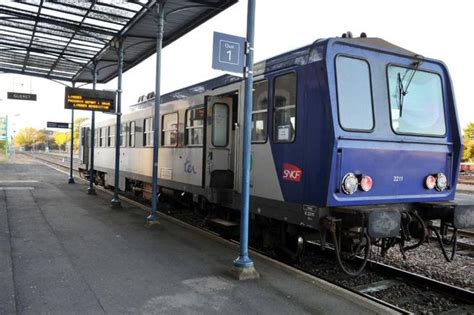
(63, 251)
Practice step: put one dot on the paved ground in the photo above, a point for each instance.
(65, 252)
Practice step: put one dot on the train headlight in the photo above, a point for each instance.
(349, 184)
(430, 182)
(441, 182)
(366, 183)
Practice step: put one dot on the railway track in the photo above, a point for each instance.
(382, 283)
(380, 277)
(466, 179)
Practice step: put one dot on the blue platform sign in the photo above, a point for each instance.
(228, 52)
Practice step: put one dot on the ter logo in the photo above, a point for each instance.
(292, 172)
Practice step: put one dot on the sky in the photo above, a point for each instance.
(435, 29)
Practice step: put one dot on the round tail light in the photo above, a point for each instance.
(349, 184)
(366, 183)
(430, 182)
(441, 182)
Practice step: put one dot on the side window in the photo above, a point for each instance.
(169, 131)
(354, 94)
(194, 126)
(110, 136)
(102, 137)
(220, 125)
(259, 111)
(148, 132)
(131, 134)
(123, 135)
(284, 108)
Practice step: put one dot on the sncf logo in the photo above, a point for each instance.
(291, 172)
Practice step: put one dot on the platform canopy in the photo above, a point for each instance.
(62, 39)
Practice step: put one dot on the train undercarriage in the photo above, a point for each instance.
(352, 233)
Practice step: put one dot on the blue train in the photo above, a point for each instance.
(355, 142)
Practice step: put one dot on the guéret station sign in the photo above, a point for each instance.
(87, 99)
(21, 96)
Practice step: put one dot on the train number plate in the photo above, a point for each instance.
(398, 178)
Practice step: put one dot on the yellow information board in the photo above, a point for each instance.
(86, 99)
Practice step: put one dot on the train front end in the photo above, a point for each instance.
(397, 144)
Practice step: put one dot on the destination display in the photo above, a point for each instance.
(21, 96)
(86, 99)
(53, 124)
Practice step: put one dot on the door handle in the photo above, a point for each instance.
(209, 155)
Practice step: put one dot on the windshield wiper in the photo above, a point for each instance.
(401, 94)
(402, 91)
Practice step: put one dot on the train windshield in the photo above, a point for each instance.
(354, 94)
(416, 102)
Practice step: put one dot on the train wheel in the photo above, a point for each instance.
(291, 242)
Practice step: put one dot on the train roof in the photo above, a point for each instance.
(317, 52)
(301, 56)
(189, 91)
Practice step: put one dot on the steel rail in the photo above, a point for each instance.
(423, 281)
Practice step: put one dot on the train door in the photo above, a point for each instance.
(85, 144)
(219, 143)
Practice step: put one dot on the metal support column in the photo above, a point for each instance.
(91, 189)
(243, 265)
(115, 203)
(153, 218)
(71, 177)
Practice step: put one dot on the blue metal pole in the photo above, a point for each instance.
(91, 189)
(156, 116)
(71, 177)
(244, 261)
(115, 203)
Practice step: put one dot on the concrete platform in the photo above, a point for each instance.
(63, 251)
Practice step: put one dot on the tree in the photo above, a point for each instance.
(28, 138)
(60, 138)
(468, 137)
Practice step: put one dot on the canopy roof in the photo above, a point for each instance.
(62, 39)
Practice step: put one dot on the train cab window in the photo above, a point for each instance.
(194, 126)
(259, 111)
(131, 134)
(220, 125)
(123, 135)
(169, 133)
(284, 108)
(354, 94)
(148, 132)
(416, 102)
